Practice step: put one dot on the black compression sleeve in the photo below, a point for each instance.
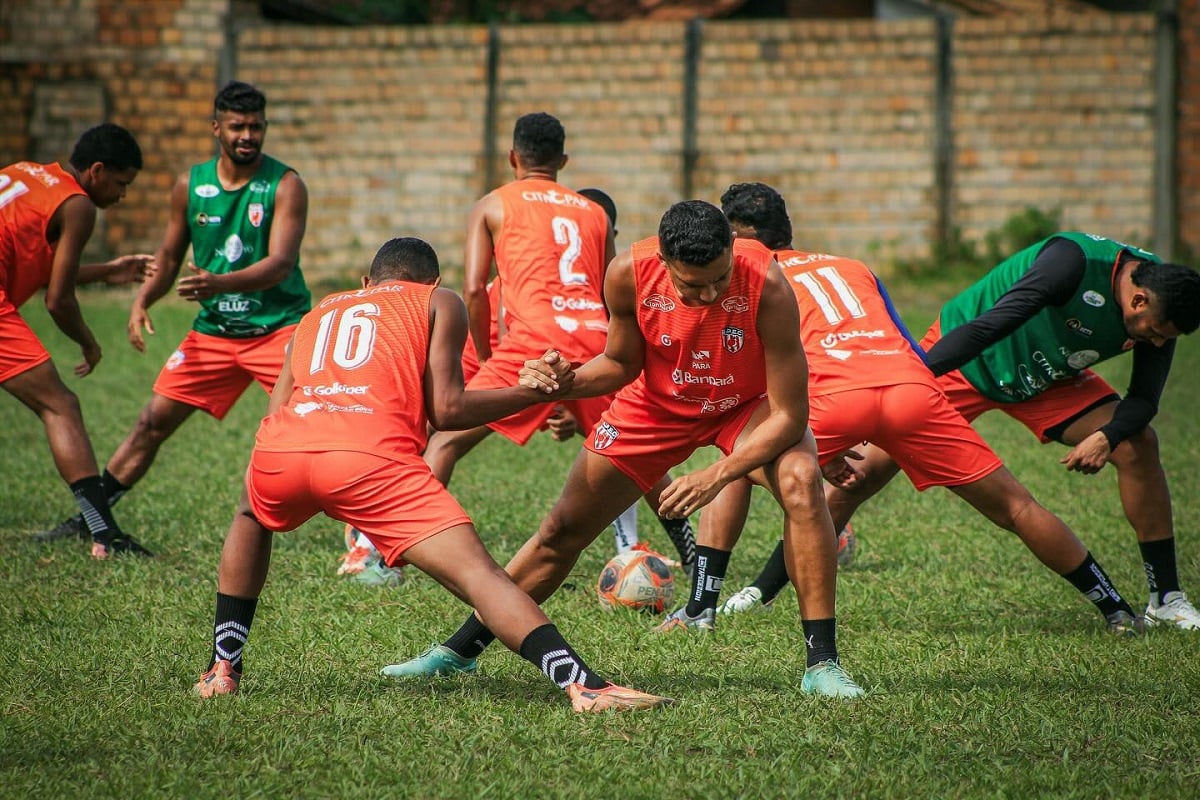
(1151, 365)
(1050, 281)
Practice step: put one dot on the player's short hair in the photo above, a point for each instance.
(602, 199)
(758, 206)
(110, 144)
(693, 232)
(1177, 289)
(240, 97)
(538, 139)
(405, 258)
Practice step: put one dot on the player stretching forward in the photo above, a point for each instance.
(1021, 339)
(867, 382)
(47, 212)
(703, 338)
(343, 437)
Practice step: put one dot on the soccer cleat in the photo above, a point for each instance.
(828, 679)
(70, 528)
(748, 599)
(1176, 610)
(612, 698)
(704, 622)
(355, 560)
(1122, 623)
(121, 544)
(435, 662)
(222, 678)
(847, 542)
(376, 573)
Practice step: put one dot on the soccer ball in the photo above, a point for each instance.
(636, 579)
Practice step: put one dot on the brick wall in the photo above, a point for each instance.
(387, 124)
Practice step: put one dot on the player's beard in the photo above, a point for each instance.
(240, 158)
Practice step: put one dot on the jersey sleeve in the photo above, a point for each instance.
(1151, 366)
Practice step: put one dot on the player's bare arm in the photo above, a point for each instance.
(285, 383)
(483, 222)
(625, 349)
(449, 405)
(283, 250)
(74, 219)
(168, 257)
(133, 268)
(786, 368)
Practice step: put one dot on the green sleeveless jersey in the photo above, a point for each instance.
(1058, 342)
(230, 230)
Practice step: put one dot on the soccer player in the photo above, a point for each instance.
(47, 213)
(703, 336)
(550, 246)
(243, 214)
(344, 437)
(868, 382)
(1021, 339)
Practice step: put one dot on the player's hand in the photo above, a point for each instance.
(1089, 456)
(562, 424)
(840, 472)
(550, 374)
(200, 285)
(130, 269)
(687, 494)
(91, 357)
(139, 320)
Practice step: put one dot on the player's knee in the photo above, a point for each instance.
(149, 430)
(800, 485)
(1139, 450)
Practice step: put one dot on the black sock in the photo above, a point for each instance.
(471, 639)
(774, 575)
(1158, 558)
(93, 505)
(680, 533)
(114, 490)
(231, 628)
(1090, 579)
(707, 578)
(547, 650)
(820, 640)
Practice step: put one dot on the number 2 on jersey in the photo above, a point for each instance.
(825, 300)
(353, 342)
(566, 232)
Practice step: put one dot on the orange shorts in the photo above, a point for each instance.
(395, 503)
(211, 372)
(501, 371)
(1061, 403)
(20, 348)
(913, 422)
(644, 443)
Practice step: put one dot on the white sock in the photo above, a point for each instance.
(625, 529)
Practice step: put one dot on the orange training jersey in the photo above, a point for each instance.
(550, 258)
(850, 338)
(700, 359)
(29, 195)
(358, 362)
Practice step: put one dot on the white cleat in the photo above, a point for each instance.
(1176, 610)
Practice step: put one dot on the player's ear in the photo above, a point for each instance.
(513, 161)
(366, 281)
(563, 161)
(437, 281)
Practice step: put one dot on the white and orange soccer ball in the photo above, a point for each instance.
(638, 579)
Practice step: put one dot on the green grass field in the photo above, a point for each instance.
(987, 675)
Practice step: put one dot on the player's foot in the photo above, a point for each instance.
(748, 599)
(1176, 610)
(355, 560)
(376, 573)
(846, 544)
(70, 528)
(1122, 623)
(221, 679)
(434, 662)
(642, 547)
(122, 544)
(828, 679)
(612, 698)
(704, 622)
